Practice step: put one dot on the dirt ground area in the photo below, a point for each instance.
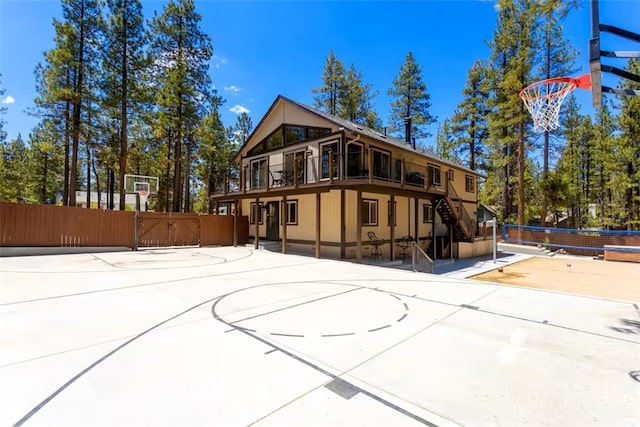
(608, 279)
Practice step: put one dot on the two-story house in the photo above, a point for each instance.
(320, 184)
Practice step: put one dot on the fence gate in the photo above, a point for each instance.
(168, 229)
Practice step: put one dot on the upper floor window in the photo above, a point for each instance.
(435, 175)
(328, 155)
(258, 173)
(469, 184)
(381, 164)
(287, 134)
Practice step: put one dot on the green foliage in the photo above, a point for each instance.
(344, 94)
(327, 96)
(469, 126)
(16, 172)
(182, 85)
(410, 99)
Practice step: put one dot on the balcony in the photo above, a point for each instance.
(304, 170)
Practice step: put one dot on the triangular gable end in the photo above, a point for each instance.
(283, 111)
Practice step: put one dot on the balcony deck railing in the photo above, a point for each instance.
(304, 170)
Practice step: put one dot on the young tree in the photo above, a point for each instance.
(122, 68)
(182, 53)
(328, 95)
(17, 172)
(410, 99)
(47, 160)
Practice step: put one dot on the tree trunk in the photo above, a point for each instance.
(177, 168)
(77, 108)
(67, 133)
(521, 166)
(45, 172)
(545, 178)
(97, 177)
(168, 172)
(88, 175)
(123, 118)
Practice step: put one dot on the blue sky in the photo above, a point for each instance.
(267, 48)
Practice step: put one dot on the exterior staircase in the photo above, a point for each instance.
(452, 213)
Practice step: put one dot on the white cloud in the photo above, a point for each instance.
(8, 100)
(238, 109)
(233, 89)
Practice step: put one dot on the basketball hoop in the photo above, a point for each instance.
(544, 99)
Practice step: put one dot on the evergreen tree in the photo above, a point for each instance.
(54, 84)
(605, 167)
(556, 59)
(122, 67)
(469, 123)
(445, 145)
(509, 122)
(47, 161)
(410, 99)
(629, 122)
(328, 95)
(82, 17)
(355, 101)
(16, 172)
(182, 53)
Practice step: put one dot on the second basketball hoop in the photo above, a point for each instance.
(544, 99)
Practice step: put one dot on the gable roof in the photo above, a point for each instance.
(357, 128)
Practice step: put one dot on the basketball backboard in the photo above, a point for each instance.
(596, 67)
(141, 183)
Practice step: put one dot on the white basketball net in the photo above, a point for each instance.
(544, 99)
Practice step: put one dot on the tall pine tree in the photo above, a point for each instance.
(182, 52)
(410, 99)
(122, 67)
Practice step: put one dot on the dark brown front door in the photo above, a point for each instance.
(273, 220)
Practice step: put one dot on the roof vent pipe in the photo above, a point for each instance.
(407, 130)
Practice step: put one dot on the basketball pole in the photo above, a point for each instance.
(135, 222)
(495, 242)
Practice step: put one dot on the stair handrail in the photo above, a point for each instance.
(463, 216)
(416, 254)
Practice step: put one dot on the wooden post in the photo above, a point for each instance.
(370, 164)
(330, 167)
(433, 230)
(243, 180)
(235, 222)
(392, 218)
(359, 225)
(257, 216)
(402, 173)
(318, 225)
(284, 224)
(415, 220)
(295, 172)
(343, 246)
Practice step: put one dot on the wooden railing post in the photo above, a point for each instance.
(370, 164)
(331, 167)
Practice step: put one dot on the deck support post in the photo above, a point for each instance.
(318, 225)
(283, 217)
(359, 226)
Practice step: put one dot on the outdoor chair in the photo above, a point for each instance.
(404, 245)
(375, 245)
(277, 182)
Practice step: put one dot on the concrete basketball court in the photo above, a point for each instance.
(235, 337)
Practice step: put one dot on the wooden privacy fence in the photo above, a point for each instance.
(47, 225)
